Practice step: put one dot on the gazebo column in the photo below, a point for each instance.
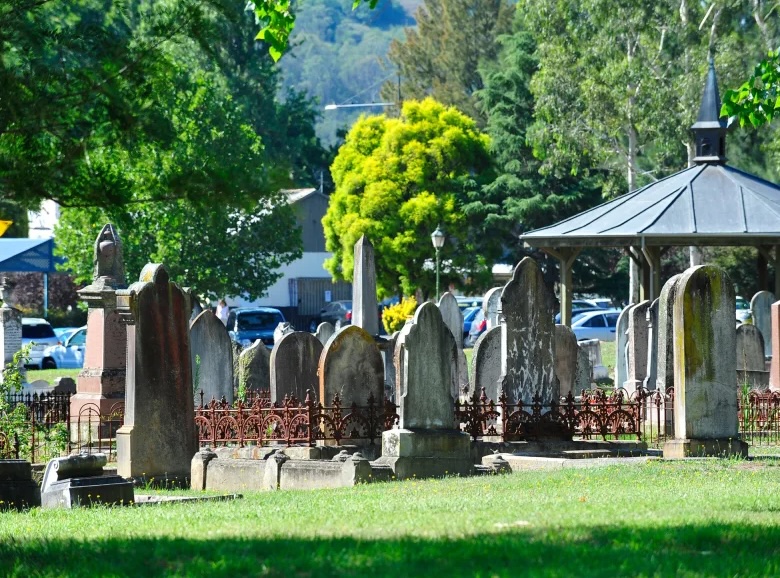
(653, 262)
(566, 257)
(635, 253)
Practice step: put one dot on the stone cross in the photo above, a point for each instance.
(760, 306)
(527, 344)
(294, 361)
(351, 366)
(665, 371)
(212, 358)
(365, 311)
(637, 346)
(566, 357)
(158, 438)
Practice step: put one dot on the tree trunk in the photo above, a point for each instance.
(634, 273)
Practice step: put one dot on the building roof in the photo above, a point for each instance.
(295, 195)
(27, 255)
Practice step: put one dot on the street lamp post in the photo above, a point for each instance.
(437, 237)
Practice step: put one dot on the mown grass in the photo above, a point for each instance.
(50, 375)
(608, 356)
(660, 519)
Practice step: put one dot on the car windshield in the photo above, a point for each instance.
(579, 316)
(37, 331)
(258, 320)
(742, 304)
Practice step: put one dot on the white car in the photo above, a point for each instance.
(40, 335)
(67, 356)
(599, 325)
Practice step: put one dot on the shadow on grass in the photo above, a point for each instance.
(712, 550)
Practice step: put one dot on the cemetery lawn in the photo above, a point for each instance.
(698, 518)
(50, 375)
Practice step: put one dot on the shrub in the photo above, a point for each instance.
(394, 317)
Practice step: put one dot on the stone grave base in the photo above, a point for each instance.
(517, 463)
(695, 448)
(79, 492)
(568, 449)
(426, 453)
(17, 488)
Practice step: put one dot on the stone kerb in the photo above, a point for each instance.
(491, 305)
(760, 307)
(211, 358)
(621, 346)
(566, 359)
(294, 362)
(486, 364)
(705, 387)
(665, 369)
(527, 344)
(158, 438)
(750, 348)
(254, 366)
(637, 344)
(351, 366)
(365, 312)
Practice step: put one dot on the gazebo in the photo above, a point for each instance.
(707, 204)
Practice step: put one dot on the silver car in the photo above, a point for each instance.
(69, 355)
(40, 335)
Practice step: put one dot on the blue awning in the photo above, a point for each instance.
(27, 255)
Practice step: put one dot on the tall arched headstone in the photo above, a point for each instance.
(325, 331)
(158, 438)
(351, 366)
(705, 387)
(760, 307)
(566, 355)
(254, 365)
(637, 346)
(453, 319)
(491, 305)
(652, 347)
(294, 362)
(621, 346)
(750, 348)
(486, 364)
(212, 358)
(665, 370)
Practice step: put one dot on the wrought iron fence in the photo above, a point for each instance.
(759, 417)
(39, 431)
(94, 431)
(292, 422)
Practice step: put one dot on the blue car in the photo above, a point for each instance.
(247, 324)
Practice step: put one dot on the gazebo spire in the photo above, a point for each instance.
(709, 130)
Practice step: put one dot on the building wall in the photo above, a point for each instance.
(309, 212)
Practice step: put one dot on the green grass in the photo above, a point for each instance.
(608, 356)
(660, 519)
(51, 374)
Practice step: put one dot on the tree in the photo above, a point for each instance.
(397, 179)
(441, 58)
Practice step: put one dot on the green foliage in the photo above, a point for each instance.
(757, 100)
(395, 316)
(396, 181)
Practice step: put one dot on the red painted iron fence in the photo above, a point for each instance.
(759, 417)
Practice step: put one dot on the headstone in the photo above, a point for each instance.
(212, 358)
(325, 331)
(387, 347)
(17, 488)
(621, 347)
(527, 344)
(78, 480)
(282, 329)
(101, 381)
(10, 329)
(158, 438)
(637, 346)
(774, 369)
(351, 366)
(453, 319)
(652, 347)
(597, 368)
(705, 388)
(566, 356)
(294, 361)
(255, 367)
(486, 364)
(665, 372)
(427, 443)
(236, 351)
(491, 305)
(750, 348)
(584, 373)
(760, 306)
(64, 385)
(365, 310)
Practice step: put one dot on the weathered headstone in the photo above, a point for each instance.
(325, 331)
(652, 347)
(491, 305)
(351, 366)
(17, 488)
(212, 358)
(427, 443)
(597, 368)
(665, 371)
(527, 344)
(236, 351)
(486, 364)
(584, 373)
(282, 329)
(294, 361)
(453, 319)
(78, 480)
(760, 306)
(158, 438)
(637, 346)
(621, 347)
(254, 365)
(750, 348)
(705, 388)
(774, 369)
(10, 328)
(387, 348)
(365, 310)
(566, 355)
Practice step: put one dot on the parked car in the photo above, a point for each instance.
(478, 327)
(69, 354)
(466, 302)
(599, 324)
(577, 310)
(339, 313)
(63, 333)
(468, 316)
(40, 334)
(744, 313)
(247, 324)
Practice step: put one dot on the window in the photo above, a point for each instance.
(37, 331)
(595, 321)
(258, 320)
(612, 319)
(78, 338)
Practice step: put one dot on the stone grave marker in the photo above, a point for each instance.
(453, 319)
(527, 344)
(486, 364)
(325, 331)
(638, 335)
(158, 438)
(760, 306)
(584, 373)
(774, 368)
(294, 362)
(652, 347)
(365, 310)
(18, 490)
(78, 480)
(750, 348)
(351, 366)
(705, 388)
(254, 363)
(211, 354)
(665, 371)
(10, 327)
(566, 357)
(621, 347)
(491, 305)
